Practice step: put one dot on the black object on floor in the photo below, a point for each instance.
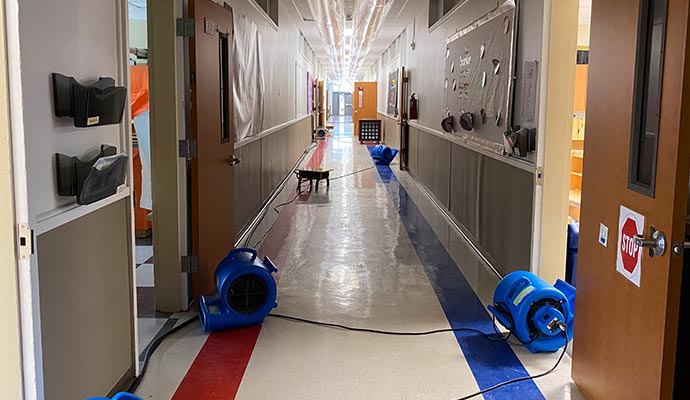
(311, 175)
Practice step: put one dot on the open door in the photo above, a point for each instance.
(635, 182)
(211, 130)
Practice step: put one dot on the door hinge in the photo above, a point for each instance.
(539, 176)
(188, 148)
(189, 264)
(25, 241)
(185, 27)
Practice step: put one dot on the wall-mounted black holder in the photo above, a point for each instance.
(521, 141)
(91, 180)
(102, 103)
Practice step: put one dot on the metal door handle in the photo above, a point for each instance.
(656, 244)
(234, 160)
(678, 248)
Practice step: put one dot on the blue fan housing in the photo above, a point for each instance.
(246, 292)
(119, 396)
(533, 310)
(383, 155)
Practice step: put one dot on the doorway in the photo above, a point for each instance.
(578, 139)
(150, 322)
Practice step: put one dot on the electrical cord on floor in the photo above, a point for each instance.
(488, 337)
(353, 173)
(253, 230)
(152, 347)
(299, 193)
(524, 378)
(432, 332)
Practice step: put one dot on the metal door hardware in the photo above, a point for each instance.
(25, 241)
(656, 244)
(188, 148)
(189, 264)
(234, 160)
(678, 248)
(184, 27)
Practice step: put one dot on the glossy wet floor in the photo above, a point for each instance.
(372, 251)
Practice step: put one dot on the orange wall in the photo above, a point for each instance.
(580, 88)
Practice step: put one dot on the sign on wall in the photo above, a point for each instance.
(393, 93)
(629, 259)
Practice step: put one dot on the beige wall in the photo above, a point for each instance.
(10, 366)
(559, 115)
(86, 304)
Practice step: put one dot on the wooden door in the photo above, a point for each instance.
(363, 102)
(625, 334)
(212, 176)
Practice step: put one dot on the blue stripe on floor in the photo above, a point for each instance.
(491, 362)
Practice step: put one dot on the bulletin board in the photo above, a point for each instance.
(310, 93)
(393, 93)
(478, 77)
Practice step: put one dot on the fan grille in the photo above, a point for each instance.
(247, 293)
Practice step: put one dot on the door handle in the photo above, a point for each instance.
(678, 248)
(234, 160)
(656, 244)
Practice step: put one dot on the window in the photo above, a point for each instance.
(439, 8)
(649, 67)
(270, 7)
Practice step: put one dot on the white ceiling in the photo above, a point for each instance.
(401, 14)
(137, 10)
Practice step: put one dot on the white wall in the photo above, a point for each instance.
(79, 38)
(283, 65)
(84, 39)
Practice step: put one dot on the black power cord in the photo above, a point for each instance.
(489, 337)
(524, 378)
(153, 346)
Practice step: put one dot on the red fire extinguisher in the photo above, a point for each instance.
(413, 106)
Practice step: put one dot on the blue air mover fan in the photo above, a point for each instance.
(119, 396)
(383, 155)
(534, 310)
(246, 292)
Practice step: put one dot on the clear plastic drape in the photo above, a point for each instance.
(248, 83)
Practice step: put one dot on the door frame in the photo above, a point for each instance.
(10, 353)
(556, 91)
(168, 88)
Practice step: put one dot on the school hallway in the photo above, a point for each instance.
(370, 251)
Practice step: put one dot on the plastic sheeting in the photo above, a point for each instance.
(478, 78)
(141, 124)
(248, 82)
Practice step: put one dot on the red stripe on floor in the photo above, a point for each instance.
(320, 152)
(218, 369)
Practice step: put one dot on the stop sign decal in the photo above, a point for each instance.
(629, 250)
(629, 262)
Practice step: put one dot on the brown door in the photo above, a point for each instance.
(363, 102)
(212, 176)
(625, 332)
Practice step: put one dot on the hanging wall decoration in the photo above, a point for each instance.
(478, 78)
(393, 93)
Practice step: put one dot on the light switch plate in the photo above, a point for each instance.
(603, 235)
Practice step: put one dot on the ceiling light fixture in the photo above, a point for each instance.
(347, 46)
